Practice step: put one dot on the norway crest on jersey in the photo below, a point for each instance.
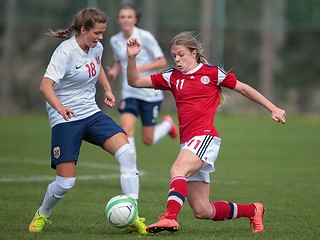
(97, 57)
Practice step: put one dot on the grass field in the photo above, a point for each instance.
(259, 160)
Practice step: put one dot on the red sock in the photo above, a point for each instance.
(246, 210)
(176, 197)
(227, 210)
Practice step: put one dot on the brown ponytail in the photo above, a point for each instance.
(86, 17)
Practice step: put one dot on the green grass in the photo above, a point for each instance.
(259, 161)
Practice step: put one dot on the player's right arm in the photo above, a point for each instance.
(134, 79)
(46, 88)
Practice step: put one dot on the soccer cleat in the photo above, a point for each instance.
(38, 222)
(138, 226)
(256, 220)
(164, 223)
(173, 130)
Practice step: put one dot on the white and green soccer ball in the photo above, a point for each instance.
(121, 211)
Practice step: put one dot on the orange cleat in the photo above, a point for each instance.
(256, 220)
(164, 224)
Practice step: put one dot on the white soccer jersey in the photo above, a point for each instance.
(75, 74)
(150, 52)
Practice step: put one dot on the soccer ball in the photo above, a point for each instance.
(121, 211)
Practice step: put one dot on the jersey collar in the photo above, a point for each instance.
(194, 70)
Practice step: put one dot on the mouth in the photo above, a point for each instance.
(94, 44)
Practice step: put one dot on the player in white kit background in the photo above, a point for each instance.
(69, 88)
(196, 87)
(143, 102)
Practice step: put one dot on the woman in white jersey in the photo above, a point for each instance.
(143, 102)
(196, 87)
(69, 87)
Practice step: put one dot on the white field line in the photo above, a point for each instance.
(51, 178)
(40, 178)
(115, 168)
(47, 162)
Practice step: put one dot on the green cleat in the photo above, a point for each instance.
(38, 222)
(138, 226)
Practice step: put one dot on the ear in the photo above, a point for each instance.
(194, 53)
(82, 30)
(136, 21)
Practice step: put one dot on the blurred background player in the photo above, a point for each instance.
(142, 102)
(196, 87)
(69, 87)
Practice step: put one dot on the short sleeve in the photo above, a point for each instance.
(230, 81)
(58, 65)
(160, 82)
(226, 79)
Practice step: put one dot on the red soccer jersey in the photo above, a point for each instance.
(197, 95)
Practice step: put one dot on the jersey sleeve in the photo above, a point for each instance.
(58, 65)
(230, 81)
(226, 79)
(160, 81)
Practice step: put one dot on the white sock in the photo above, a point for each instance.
(129, 175)
(160, 131)
(55, 191)
(132, 142)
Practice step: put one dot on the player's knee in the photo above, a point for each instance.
(147, 140)
(177, 170)
(200, 211)
(127, 159)
(201, 214)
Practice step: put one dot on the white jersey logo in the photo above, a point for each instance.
(205, 79)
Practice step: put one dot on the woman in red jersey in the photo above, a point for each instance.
(196, 87)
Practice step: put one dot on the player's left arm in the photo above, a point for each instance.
(109, 100)
(277, 114)
(133, 77)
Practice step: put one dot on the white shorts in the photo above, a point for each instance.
(207, 149)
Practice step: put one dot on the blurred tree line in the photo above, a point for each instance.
(272, 45)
